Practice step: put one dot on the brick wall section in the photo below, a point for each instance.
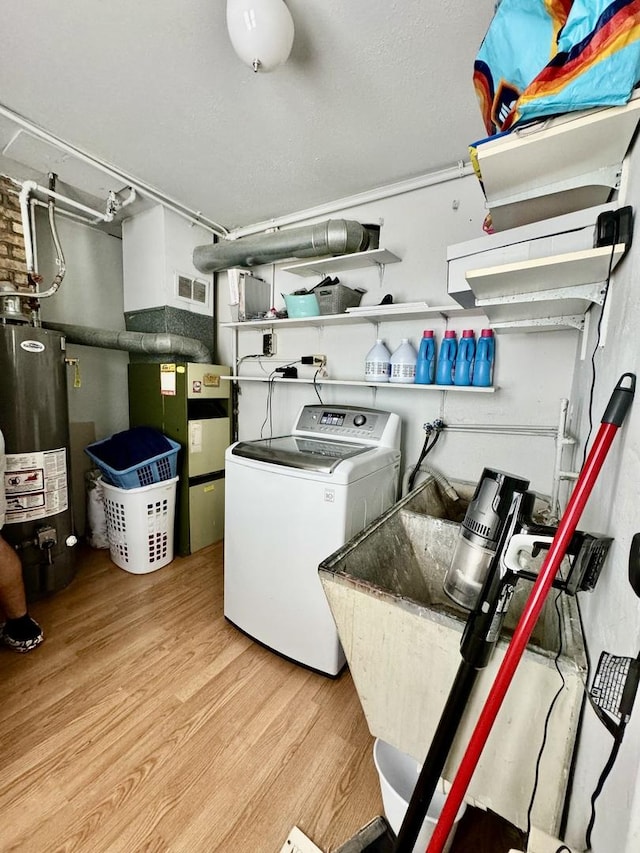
(12, 257)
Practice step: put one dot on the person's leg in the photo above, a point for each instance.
(20, 631)
(12, 597)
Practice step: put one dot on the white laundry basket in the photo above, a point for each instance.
(398, 774)
(140, 525)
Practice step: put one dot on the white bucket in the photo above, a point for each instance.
(398, 774)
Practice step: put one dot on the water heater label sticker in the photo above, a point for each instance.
(32, 346)
(168, 380)
(36, 485)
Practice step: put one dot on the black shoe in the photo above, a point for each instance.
(22, 635)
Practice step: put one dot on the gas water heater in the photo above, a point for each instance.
(35, 423)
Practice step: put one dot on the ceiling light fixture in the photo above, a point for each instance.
(261, 32)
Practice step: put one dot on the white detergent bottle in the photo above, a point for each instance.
(403, 363)
(377, 363)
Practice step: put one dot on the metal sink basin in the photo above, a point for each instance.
(401, 635)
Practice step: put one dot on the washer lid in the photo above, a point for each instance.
(294, 451)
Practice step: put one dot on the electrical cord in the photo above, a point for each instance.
(617, 741)
(269, 410)
(257, 355)
(583, 704)
(618, 735)
(315, 386)
(268, 415)
(616, 747)
(597, 344)
(545, 731)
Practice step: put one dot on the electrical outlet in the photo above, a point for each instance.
(319, 360)
(268, 344)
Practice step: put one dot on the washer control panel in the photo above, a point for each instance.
(352, 423)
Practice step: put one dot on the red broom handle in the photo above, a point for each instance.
(529, 617)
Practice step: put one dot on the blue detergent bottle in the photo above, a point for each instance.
(446, 359)
(485, 357)
(463, 368)
(426, 363)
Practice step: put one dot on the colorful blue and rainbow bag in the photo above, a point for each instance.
(546, 57)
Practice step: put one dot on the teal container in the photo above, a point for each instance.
(446, 359)
(426, 363)
(463, 368)
(301, 305)
(485, 358)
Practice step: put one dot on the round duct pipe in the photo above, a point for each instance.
(333, 237)
(161, 343)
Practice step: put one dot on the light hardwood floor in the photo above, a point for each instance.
(146, 722)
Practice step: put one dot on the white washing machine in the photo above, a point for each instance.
(292, 501)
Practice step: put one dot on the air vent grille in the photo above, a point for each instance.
(192, 289)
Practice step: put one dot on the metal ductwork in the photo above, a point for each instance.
(333, 237)
(161, 343)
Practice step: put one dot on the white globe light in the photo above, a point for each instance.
(261, 32)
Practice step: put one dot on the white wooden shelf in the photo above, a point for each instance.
(406, 386)
(357, 260)
(587, 266)
(535, 292)
(557, 165)
(374, 316)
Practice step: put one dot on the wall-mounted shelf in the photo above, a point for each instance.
(556, 166)
(357, 260)
(396, 385)
(529, 290)
(586, 266)
(384, 314)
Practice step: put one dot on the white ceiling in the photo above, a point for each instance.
(374, 92)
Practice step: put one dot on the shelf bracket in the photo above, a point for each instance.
(588, 292)
(567, 321)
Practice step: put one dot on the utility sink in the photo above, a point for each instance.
(401, 636)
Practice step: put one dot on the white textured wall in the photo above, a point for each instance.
(91, 294)
(612, 612)
(533, 371)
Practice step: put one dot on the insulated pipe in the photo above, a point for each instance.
(57, 281)
(27, 188)
(333, 237)
(162, 343)
(612, 420)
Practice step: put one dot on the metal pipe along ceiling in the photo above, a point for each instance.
(333, 237)
(162, 343)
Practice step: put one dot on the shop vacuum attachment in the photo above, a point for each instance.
(494, 501)
(498, 522)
